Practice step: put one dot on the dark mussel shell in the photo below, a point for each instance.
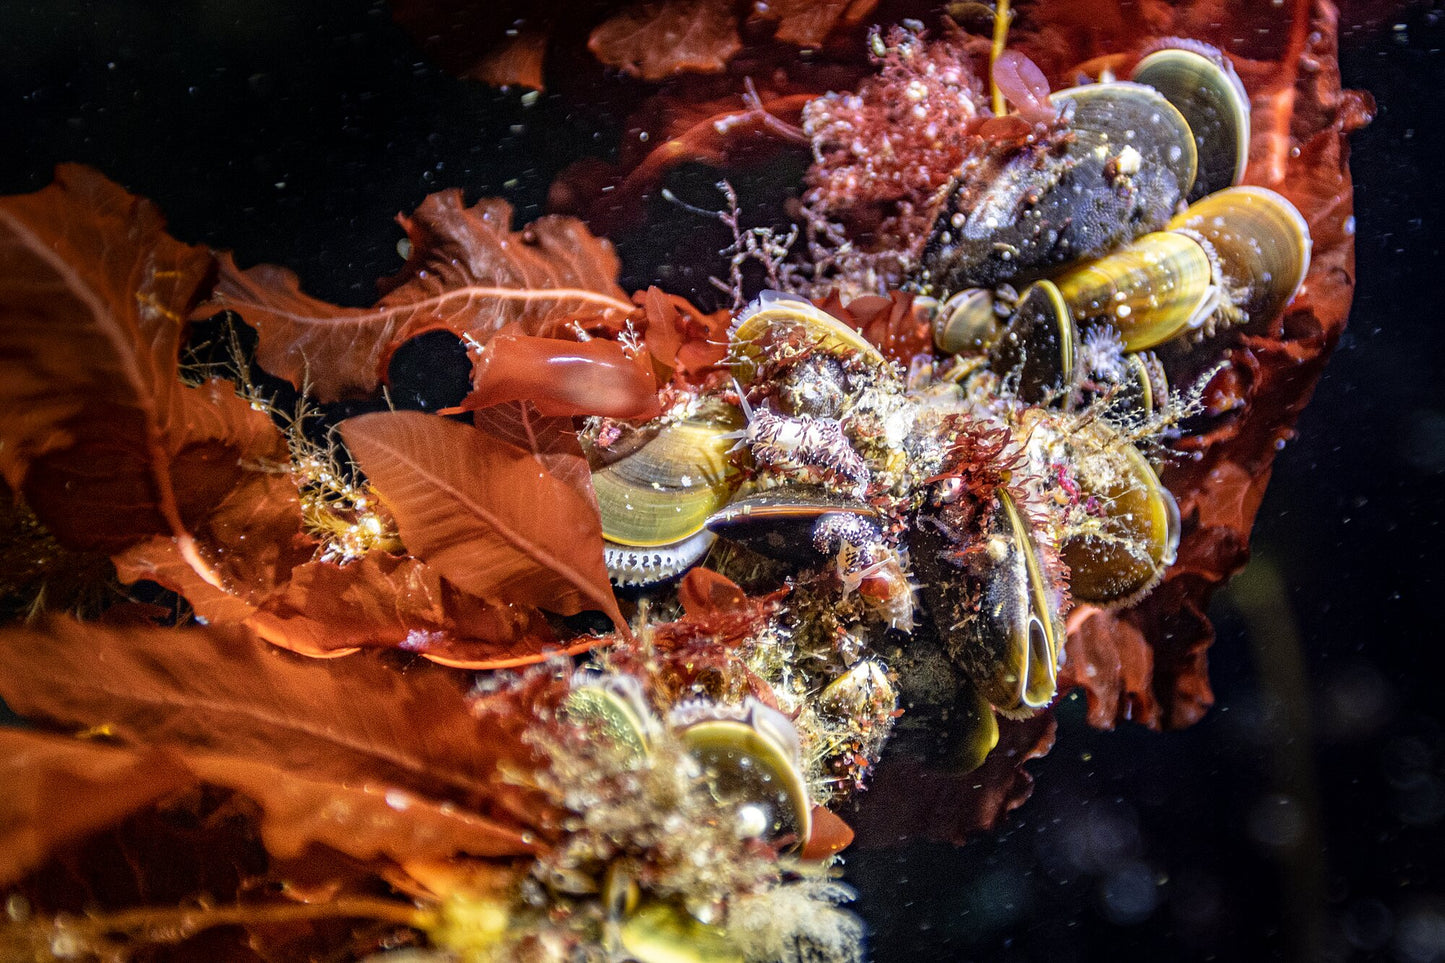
(996, 608)
(1038, 346)
(1200, 82)
(1116, 170)
(778, 522)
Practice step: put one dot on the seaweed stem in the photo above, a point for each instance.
(777, 125)
(1001, 18)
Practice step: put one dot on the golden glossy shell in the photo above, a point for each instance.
(664, 492)
(662, 932)
(1209, 94)
(1262, 244)
(975, 729)
(775, 322)
(968, 322)
(1136, 544)
(746, 765)
(1157, 288)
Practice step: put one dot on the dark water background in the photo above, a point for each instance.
(1301, 819)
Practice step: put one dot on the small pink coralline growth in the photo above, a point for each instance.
(883, 154)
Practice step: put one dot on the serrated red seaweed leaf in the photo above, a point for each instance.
(551, 440)
(485, 514)
(94, 293)
(468, 273)
(62, 790)
(99, 434)
(383, 601)
(655, 39)
(187, 485)
(58, 790)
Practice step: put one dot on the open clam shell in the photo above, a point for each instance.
(1210, 96)
(1003, 623)
(1261, 242)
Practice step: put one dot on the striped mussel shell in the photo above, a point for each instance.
(1235, 256)
(1261, 243)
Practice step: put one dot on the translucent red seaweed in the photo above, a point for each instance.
(496, 537)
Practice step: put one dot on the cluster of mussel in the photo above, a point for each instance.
(988, 488)
(745, 760)
(1010, 475)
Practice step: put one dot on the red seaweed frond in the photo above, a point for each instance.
(983, 458)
